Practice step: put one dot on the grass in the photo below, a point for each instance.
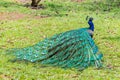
(30, 29)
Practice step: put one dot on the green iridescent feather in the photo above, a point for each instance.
(71, 49)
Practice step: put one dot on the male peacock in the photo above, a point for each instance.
(71, 49)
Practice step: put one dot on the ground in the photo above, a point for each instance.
(21, 27)
(11, 16)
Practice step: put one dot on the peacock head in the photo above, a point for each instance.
(90, 19)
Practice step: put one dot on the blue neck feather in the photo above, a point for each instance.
(91, 25)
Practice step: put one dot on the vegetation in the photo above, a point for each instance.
(22, 26)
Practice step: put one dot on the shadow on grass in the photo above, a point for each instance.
(8, 4)
(48, 8)
(101, 6)
(111, 38)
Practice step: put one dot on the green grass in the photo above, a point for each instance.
(29, 30)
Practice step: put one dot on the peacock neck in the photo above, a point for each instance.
(91, 25)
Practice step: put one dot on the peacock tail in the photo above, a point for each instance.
(71, 49)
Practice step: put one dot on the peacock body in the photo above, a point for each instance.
(71, 49)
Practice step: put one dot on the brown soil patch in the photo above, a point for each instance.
(28, 1)
(23, 1)
(17, 16)
(6, 77)
(77, 0)
(11, 16)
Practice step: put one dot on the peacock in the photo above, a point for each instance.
(71, 49)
